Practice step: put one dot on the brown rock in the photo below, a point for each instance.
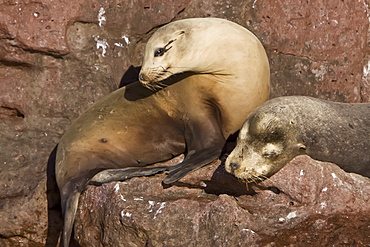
(316, 47)
(305, 193)
(56, 59)
(52, 68)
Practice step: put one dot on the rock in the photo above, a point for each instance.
(306, 195)
(58, 59)
(312, 197)
(55, 61)
(328, 56)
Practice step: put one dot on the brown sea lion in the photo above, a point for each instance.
(200, 80)
(285, 127)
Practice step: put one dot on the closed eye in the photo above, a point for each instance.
(270, 155)
(271, 151)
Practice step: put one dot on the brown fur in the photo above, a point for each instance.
(194, 113)
(285, 127)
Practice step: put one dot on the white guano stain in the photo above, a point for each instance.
(126, 39)
(127, 214)
(151, 205)
(162, 206)
(254, 4)
(101, 44)
(248, 230)
(291, 215)
(101, 18)
(366, 70)
(119, 44)
(116, 188)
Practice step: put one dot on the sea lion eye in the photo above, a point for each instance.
(159, 52)
(270, 155)
(271, 151)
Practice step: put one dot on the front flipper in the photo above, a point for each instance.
(204, 140)
(192, 162)
(110, 175)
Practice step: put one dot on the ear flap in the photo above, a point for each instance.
(302, 148)
(179, 33)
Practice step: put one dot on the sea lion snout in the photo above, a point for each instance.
(143, 78)
(233, 166)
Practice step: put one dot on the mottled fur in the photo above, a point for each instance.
(285, 127)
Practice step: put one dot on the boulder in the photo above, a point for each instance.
(57, 59)
(308, 201)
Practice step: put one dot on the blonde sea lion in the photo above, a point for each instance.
(285, 127)
(200, 79)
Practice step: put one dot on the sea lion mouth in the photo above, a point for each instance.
(252, 179)
(143, 78)
(155, 75)
(245, 175)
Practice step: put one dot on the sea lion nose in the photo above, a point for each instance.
(142, 77)
(234, 166)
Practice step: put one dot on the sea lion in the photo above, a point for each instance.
(285, 127)
(200, 79)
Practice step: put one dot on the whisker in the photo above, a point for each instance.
(255, 179)
(180, 67)
(264, 177)
(150, 87)
(161, 84)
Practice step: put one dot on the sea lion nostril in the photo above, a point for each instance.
(141, 77)
(234, 166)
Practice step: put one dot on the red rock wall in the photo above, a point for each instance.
(59, 57)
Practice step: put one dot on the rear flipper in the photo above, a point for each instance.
(69, 212)
(110, 175)
(72, 191)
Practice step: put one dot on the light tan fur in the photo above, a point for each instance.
(220, 74)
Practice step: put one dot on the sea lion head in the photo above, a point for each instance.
(268, 140)
(164, 52)
(200, 45)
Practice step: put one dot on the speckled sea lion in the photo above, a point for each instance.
(200, 79)
(285, 127)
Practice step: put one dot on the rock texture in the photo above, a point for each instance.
(323, 204)
(57, 58)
